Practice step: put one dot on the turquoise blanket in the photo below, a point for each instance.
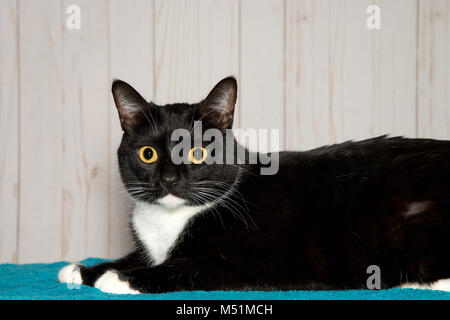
(39, 281)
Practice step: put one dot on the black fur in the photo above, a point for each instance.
(326, 216)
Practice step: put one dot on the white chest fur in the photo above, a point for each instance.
(159, 227)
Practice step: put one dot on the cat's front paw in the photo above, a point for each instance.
(70, 274)
(111, 283)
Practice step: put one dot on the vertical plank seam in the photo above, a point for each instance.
(417, 67)
(63, 131)
(108, 97)
(19, 130)
(331, 73)
(375, 74)
(61, 227)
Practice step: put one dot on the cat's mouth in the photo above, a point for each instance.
(171, 201)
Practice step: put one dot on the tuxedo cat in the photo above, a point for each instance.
(318, 223)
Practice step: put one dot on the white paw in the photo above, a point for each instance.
(110, 282)
(70, 274)
(442, 285)
(414, 285)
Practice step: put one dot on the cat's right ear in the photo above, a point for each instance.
(130, 105)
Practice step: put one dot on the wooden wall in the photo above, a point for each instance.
(310, 68)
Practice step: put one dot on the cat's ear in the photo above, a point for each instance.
(217, 109)
(130, 105)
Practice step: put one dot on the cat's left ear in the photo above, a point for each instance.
(217, 109)
(130, 105)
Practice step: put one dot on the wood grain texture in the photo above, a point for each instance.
(131, 59)
(344, 81)
(196, 45)
(262, 67)
(9, 131)
(394, 77)
(434, 69)
(309, 121)
(351, 71)
(86, 151)
(41, 131)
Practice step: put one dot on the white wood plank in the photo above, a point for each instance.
(434, 70)
(351, 71)
(262, 54)
(9, 131)
(41, 150)
(395, 69)
(131, 36)
(344, 81)
(196, 45)
(86, 153)
(308, 86)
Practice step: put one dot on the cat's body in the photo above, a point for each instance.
(319, 223)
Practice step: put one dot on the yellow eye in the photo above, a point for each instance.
(197, 155)
(148, 154)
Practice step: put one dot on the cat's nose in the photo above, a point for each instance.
(169, 180)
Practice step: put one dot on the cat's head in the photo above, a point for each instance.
(145, 153)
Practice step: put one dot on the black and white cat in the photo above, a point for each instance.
(318, 223)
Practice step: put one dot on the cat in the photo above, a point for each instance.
(320, 222)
